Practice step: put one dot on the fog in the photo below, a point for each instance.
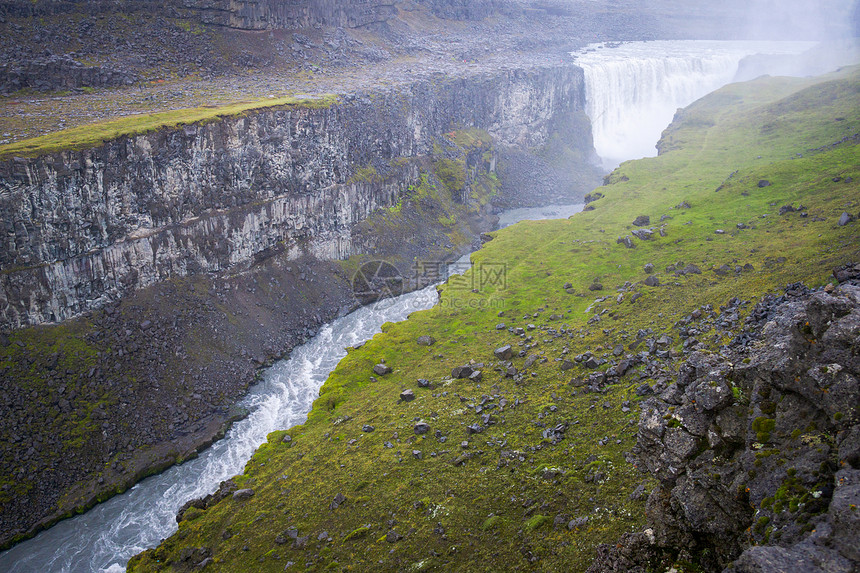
(798, 19)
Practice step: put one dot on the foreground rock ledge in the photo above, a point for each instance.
(757, 450)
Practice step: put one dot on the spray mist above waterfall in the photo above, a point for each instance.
(633, 89)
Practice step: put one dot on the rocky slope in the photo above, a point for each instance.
(86, 227)
(211, 249)
(757, 449)
(509, 443)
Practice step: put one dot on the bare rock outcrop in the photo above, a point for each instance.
(757, 450)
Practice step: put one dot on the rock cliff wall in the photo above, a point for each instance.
(81, 228)
(757, 450)
(269, 14)
(239, 14)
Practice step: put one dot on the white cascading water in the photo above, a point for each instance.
(633, 89)
(104, 538)
(620, 93)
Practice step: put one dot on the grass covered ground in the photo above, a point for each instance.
(547, 477)
(95, 134)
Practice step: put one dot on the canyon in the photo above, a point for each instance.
(146, 276)
(163, 268)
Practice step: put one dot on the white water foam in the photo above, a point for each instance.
(633, 89)
(107, 536)
(104, 538)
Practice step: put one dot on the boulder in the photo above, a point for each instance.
(461, 372)
(503, 352)
(381, 369)
(626, 241)
(243, 494)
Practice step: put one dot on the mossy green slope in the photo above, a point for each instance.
(95, 134)
(520, 495)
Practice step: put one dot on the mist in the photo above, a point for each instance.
(822, 20)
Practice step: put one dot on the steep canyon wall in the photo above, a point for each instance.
(81, 228)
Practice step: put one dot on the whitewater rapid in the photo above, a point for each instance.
(104, 538)
(633, 89)
(625, 89)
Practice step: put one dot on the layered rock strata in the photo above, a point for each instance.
(82, 228)
(757, 450)
(190, 257)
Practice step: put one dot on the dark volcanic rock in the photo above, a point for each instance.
(426, 340)
(503, 352)
(381, 369)
(758, 459)
(58, 73)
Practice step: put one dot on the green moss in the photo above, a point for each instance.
(763, 426)
(357, 533)
(501, 471)
(493, 522)
(95, 134)
(366, 174)
(452, 172)
(537, 522)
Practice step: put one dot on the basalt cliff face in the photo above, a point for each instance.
(179, 261)
(765, 476)
(82, 228)
(269, 14)
(239, 14)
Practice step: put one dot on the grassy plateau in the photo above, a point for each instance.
(95, 134)
(547, 476)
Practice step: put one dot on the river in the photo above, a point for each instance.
(632, 91)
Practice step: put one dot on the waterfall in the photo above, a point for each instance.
(633, 89)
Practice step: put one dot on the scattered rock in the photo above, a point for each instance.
(626, 241)
(642, 220)
(426, 340)
(407, 395)
(461, 372)
(381, 369)
(338, 500)
(243, 494)
(393, 537)
(503, 352)
(651, 281)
